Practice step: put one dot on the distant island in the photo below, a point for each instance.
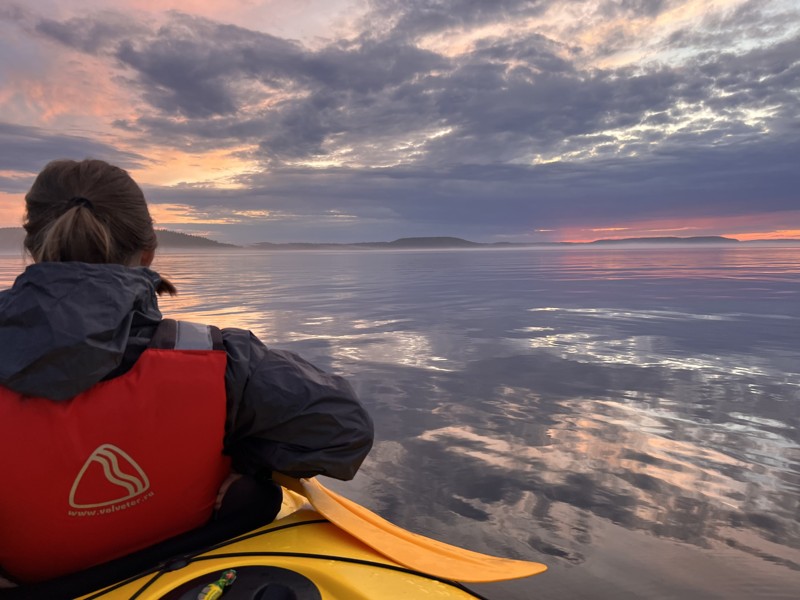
(411, 242)
(175, 239)
(433, 243)
(707, 239)
(11, 239)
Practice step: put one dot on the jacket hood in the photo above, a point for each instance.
(64, 326)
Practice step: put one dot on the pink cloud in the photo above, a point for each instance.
(780, 225)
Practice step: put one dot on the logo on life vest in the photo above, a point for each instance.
(109, 476)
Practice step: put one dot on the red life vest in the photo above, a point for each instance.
(124, 465)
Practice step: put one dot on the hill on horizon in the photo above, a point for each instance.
(705, 239)
(11, 239)
(425, 242)
(176, 239)
(456, 242)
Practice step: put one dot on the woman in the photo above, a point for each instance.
(121, 429)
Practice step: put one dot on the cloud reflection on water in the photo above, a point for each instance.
(571, 407)
(675, 416)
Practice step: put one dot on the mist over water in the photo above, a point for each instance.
(629, 417)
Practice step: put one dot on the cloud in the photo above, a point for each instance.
(464, 200)
(26, 150)
(415, 18)
(746, 23)
(506, 99)
(627, 8)
(90, 34)
(466, 113)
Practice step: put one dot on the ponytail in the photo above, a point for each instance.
(76, 235)
(165, 287)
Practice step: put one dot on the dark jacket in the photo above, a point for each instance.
(66, 326)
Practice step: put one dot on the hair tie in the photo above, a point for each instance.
(81, 201)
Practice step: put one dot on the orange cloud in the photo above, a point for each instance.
(779, 234)
(74, 93)
(741, 227)
(216, 168)
(175, 215)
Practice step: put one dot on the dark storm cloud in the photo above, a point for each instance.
(189, 66)
(506, 99)
(27, 149)
(377, 89)
(627, 8)
(92, 34)
(356, 92)
(369, 66)
(762, 77)
(532, 107)
(544, 108)
(199, 69)
(713, 133)
(413, 18)
(538, 52)
(485, 200)
(206, 72)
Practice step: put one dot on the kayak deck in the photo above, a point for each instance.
(302, 542)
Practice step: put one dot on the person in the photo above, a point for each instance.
(121, 429)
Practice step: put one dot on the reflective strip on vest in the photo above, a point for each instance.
(129, 463)
(193, 336)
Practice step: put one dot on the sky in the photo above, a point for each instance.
(371, 120)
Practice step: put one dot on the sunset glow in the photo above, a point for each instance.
(522, 121)
(742, 227)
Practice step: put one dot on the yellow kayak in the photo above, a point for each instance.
(321, 546)
(301, 555)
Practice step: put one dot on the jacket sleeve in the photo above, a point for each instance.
(286, 415)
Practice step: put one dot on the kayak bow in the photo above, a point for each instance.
(408, 549)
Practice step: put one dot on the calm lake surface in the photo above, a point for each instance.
(629, 417)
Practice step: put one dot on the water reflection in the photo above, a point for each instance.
(629, 418)
(634, 458)
(742, 263)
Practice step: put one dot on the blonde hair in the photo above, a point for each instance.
(88, 211)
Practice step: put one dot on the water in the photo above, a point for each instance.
(629, 417)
